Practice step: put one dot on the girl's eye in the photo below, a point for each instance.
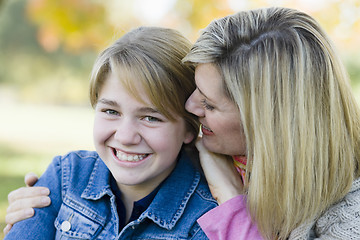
(206, 105)
(110, 112)
(151, 119)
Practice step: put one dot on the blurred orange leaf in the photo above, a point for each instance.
(77, 24)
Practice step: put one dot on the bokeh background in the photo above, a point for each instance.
(47, 48)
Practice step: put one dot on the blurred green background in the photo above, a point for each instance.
(47, 48)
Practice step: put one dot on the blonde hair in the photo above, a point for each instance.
(301, 121)
(150, 57)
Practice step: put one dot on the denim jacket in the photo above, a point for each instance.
(83, 205)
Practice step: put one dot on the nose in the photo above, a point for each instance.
(193, 104)
(127, 133)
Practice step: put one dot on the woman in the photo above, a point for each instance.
(271, 88)
(273, 94)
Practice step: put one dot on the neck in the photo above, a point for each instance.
(131, 194)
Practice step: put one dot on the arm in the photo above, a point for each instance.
(223, 179)
(230, 220)
(22, 201)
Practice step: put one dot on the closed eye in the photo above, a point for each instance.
(206, 105)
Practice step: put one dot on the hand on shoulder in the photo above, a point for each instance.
(22, 201)
(223, 179)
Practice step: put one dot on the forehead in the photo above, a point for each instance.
(125, 83)
(138, 88)
(208, 80)
(209, 83)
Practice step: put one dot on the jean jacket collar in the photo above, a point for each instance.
(171, 199)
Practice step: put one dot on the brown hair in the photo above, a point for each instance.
(151, 57)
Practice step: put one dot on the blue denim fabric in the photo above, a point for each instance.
(81, 195)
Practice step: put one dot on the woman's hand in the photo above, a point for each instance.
(223, 179)
(23, 200)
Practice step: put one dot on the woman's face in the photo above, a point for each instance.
(218, 115)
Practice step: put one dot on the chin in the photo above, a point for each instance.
(212, 147)
(216, 148)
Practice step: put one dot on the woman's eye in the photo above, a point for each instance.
(151, 119)
(206, 105)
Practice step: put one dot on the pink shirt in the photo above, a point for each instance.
(229, 221)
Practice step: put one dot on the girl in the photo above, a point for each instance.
(140, 182)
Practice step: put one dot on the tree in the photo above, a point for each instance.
(84, 24)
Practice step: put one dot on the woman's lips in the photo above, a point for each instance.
(206, 131)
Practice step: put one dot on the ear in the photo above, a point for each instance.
(189, 136)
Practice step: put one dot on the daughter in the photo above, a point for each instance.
(140, 183)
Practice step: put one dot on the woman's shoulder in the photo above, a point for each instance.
(355, 186)
(342, 220)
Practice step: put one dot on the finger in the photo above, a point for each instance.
(25, 203)
(199, 145)
(23, 214)
(7, 229)
(27, 192)
(206, 153)
(31, 179)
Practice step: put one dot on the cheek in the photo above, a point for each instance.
(229, 129)
(163, 140)
(217, 124)
(168, 141)
(100, 130)
(235, 131)
(237, 139)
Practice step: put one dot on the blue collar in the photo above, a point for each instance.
(174, 193)
(139, 206)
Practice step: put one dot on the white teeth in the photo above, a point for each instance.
(206, 128)
(130, 157)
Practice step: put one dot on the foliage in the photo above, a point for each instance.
(79, 24)
(31, 72)
(83, 24)
(47, 46)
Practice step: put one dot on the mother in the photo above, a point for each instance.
(271, 87)
(273, 94)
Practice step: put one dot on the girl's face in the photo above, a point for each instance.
(137, 143)
(218, 115)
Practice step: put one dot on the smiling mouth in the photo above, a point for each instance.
(122, 156)
(206, 128)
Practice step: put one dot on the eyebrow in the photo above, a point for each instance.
(108, 102)
(149, 110)
(115, 104)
